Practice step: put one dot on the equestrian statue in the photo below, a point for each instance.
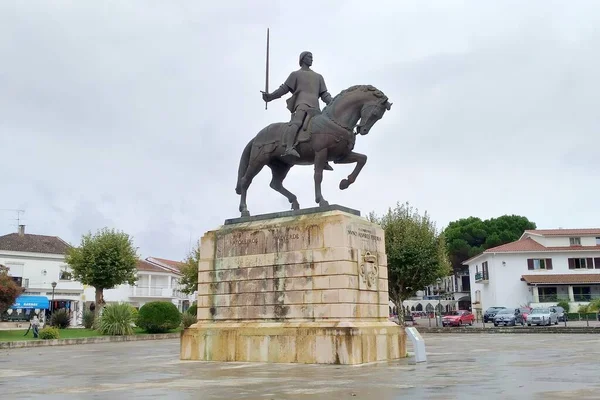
(311, 136)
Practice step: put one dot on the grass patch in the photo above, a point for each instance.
(69, 333)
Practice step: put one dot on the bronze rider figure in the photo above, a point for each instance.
(306, 86)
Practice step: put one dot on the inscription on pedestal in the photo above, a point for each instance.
(269, 240)
(364, 237)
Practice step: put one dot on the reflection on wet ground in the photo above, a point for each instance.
(469, 366)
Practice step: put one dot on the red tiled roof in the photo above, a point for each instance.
(530, 245)
(565, 232)
(175, 265)
(562, 279)
(143, 265)
(520, 245)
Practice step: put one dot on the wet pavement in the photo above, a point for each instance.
(473, 366)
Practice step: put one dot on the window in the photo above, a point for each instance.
(466, 284)
(547, 294)
(575, 241)
(581, 263)
(65, 274)
(539, 263)
(598, 241)
(582, 293)
(484, 270)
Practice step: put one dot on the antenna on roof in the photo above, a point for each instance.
(18, 211)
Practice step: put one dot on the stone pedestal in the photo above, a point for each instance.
(302, 287)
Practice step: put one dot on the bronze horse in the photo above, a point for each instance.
(328, 136)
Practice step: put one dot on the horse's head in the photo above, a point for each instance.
(364, 103)
(370, 113)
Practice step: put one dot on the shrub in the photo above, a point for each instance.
(134, 314)
(193, 309)
(116, 320)
(188, 319)
(60, 319)
(584, 309)
(594, 305)
(158, 317)
(88, 319)
(49, 333)
(564, 304)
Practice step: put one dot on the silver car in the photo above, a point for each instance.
(542, 316)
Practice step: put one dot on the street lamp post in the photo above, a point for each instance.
(439, 307)
(52, 304)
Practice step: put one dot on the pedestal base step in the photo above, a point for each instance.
(303, 342)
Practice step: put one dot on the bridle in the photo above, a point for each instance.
(350, 129)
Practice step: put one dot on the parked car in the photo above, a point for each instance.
(458, 318)
(542, 316)
(560, 312)
(509, 316)
(490, 313)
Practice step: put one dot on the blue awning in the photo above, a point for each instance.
(34, 302)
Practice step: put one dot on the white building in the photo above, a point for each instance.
(36, 262)
(158, 280)
(540, 269)
(447, 294)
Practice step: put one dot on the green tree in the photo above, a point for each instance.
(416, 253)
(9, 290)
(468, 237)
(104, 260)
(189, 271)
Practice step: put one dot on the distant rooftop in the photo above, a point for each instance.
(29, 243)
(565, 232)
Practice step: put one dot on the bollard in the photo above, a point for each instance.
(418, 344)
(587, 320)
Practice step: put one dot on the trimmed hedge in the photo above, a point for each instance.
(49, 333)
(158, 317)
(193, 309)
(582, 317)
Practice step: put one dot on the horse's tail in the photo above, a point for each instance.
(244, 161)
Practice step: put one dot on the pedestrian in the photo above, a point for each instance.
(35, 324)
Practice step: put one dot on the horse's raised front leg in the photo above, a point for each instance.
(360, 160)
(320, 161)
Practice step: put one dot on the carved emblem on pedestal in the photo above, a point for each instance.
(368, 271)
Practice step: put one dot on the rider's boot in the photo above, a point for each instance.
(290, 137)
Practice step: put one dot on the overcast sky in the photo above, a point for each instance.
(133, 114)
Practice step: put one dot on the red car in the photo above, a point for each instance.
(458, 318)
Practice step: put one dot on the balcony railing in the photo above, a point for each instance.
(481, 276)
(585, 297)
(152, 291)
(549, 298)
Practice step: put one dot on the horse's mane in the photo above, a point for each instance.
(365, 88)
